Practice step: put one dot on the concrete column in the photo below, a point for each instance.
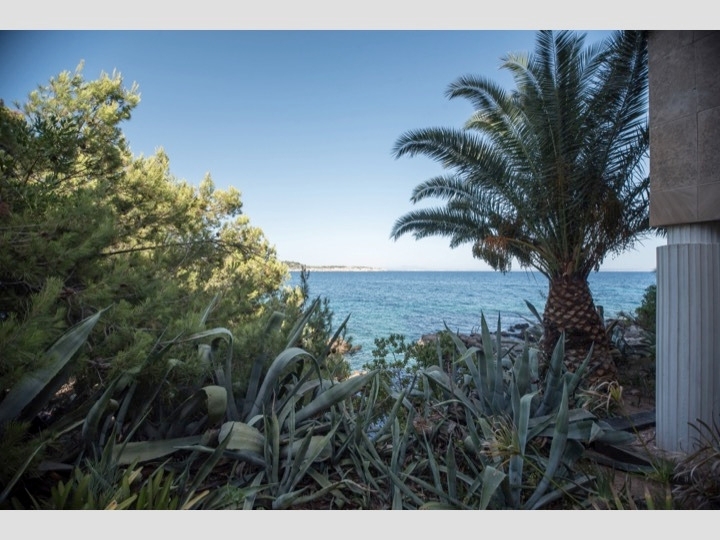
(684, 77)
(688, 340)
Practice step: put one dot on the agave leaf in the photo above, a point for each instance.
(515, 467)
(90, 426)
(334, 395)
(294, 453)
(315, 449)
(20, 472)
(523, 422)
(486, 367)
(435, 505)
(491, 479)
(522, 370)
(286, 500)
(400, 485)
(476, 373)
(543, 426)
(272, 447)
(534, 311)
(216, 403)
(392, 415)
(603, 432)
(30, 394)
(409, 428)
(434, 469)
(258, 365)
(557, 449)
(212, 332)
(138, 452)
(553, 383)
(294, 387)
(514, 399)
(297, 330)
(578, 375)
(190, 503)
(371, 399)
(577, 482)
(253, 385)
(499, 386)
(472, 441)
(225, 377)
(451, 470)
(438, 376)
(316, 446)
(334, 338)
(448, 502)
(455, 339)
(211, 306)
(281, 362)
(515, 471)
(205, 470)
(253, 490)
(211, 400)
(315, 495)
(274, 322)
(243, 437)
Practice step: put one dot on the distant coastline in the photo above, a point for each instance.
(296, 267)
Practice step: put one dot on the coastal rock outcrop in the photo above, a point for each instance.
(629, 342)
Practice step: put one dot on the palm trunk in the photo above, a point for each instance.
(570, 308)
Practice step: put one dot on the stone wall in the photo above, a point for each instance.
(684, 126)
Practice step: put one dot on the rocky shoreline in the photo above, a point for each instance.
(628, 340)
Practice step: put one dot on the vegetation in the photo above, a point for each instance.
(646, 311)
(549, 175)
(108, 265)
(153, 359)
(473, 437)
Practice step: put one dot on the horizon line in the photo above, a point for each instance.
(353, 268)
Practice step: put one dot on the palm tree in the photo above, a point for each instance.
(550, 175)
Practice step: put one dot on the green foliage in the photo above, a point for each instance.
(85, 225)
(190, 377)
(698, 474)
(398, 363)
(646, 312)
(472, 427)
(549, 175)
(277, 428)
(198, 309)
(507, 415)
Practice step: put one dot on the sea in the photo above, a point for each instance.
(414, 303)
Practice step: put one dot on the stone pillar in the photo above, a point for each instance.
(688, 339)
(684, 83)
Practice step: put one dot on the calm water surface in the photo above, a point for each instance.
(416, 303)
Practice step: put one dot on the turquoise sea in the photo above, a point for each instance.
(417, 303)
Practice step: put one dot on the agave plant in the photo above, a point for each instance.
(33, 391)
(496, 422)
(279, 430)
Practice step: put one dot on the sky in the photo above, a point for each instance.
(302, 122)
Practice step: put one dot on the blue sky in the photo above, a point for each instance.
(301, 122)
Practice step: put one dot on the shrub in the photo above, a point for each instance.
(646, 312)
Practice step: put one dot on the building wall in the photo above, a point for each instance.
(684, 81)
(684, 77)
